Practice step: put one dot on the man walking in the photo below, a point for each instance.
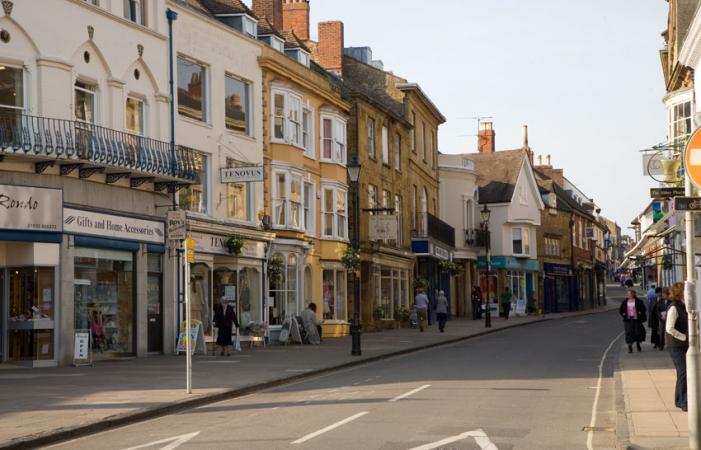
(421, 305)
(506, 302)
(651, 296)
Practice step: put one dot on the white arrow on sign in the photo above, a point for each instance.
(175, 442)
(479, 436)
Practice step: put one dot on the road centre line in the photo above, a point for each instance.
(412, 392)
(592, 423)
(329, 428)
(479, 436)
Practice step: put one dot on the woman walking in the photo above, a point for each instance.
(224, 319)
(676, 327)
(653, 322)
(662, 307)
(632, 310)
(441, 310)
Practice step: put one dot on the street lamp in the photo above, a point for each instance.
(354, 176)
(485, 228)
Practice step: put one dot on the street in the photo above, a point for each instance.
(524, 388)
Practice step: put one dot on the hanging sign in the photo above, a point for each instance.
(687, 203)
(383, 227)
(177, 225)
(30, 208)
(241, 174)
(669, 192)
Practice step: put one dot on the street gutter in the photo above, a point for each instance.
(128, 418)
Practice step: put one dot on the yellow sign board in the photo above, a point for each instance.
(190, 249)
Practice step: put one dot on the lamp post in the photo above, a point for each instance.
(485, 228)
(354, 176)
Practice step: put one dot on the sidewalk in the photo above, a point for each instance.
(39, 405)
(647, 380)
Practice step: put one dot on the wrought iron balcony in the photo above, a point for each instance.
(433, 227)
(93, 148)
(475, 237)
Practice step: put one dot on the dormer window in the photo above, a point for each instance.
(241, 22)
(273, 42)
(298, 55)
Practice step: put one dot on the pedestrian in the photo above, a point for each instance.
(629, 283)
(476, 303)
(676, 327)
(421, 305)
(633, 312)
(224, 319)
(651, 295)
(662, 306)
(311, 324)
(441, 310)
(653, 321)
(506, 302)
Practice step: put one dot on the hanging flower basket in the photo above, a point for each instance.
(450, 267)
(351, 259)
(420, 283)
(234, 244)
(275, 268)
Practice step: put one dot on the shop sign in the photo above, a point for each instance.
(687, 203)
(190, 250)
(383, 227)
(111, 226)
(31, 209)
(177, 225)
(241, 174)
(216, 244)
(668, 192)
(440, 252)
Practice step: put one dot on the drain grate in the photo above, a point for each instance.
(607, 429)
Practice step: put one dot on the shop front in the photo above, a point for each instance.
(429, 254)
(518, 274)
(558, 289)
(31, 223)
(386, 280)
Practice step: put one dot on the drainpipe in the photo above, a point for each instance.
(573, 286)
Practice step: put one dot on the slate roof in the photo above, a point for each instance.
(227, 7)
(266, 28)
(498, 173)
(292, 41)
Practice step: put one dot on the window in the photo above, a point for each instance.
(386, 199)
(334, 213)
(11, 88)
(398, 213)
(372, 196)
(250, 27)
(520, 241)
(469, 214)
(135, 116)
(413, 131)
(308, 217)
(283, 289)
(85, 102)
(385, 146)
(237, 114)
(194, 197)
(429, 149)
(397, 152)
(334, 139)
(517, 283)
(307, 138)
(391, 289)
(371, 138)
(277, 44)
(93, 2)
(238, 198)
(552, 246)
(414, 200)
(192, 90)
(279, 116)
(432, 149)
(334, 294)
(423, 141)
(135, 10)
(288, 200)
(681, 122)
(294, 120)
(298, 55)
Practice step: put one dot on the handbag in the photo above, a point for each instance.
(237, 342)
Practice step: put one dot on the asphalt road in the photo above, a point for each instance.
(530, 387)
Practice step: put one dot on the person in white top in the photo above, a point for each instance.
(676, 328)
(421, 305)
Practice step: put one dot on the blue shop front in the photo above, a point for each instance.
(429, 254)
(519, 274)
(559, 288)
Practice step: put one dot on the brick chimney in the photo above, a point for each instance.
(295, 17)
(269, 9)
(557, 175)
(485, 138)
(330, 46)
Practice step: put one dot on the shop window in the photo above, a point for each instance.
(31, 313)
(135, 116)
(192, 89)
(283, 289)
(194, 197)
(517, 283)
(249, 293)
(201, 307)
(85, 102)
(104, 299)
(237, 105)
(391, 289)
(334, 294)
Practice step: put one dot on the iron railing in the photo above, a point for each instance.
(75, 141)
(475, 237)
(432, 226)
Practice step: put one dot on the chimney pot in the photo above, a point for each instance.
(295, 17)
(525, 136)
(540, 160)
(486, 137)
(547, 158)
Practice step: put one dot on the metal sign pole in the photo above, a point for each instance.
(692, 355)
(188, 331)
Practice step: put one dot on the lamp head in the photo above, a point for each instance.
(485, 213)
(354, 170)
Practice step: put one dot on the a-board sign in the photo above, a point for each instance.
(81, 348)
(687, 203)
(667, 192)
(177, 225)
(196, 334)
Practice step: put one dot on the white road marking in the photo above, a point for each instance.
(175, 442)
(479, 436)
(329, 428)
(412, 392)
(592, 423)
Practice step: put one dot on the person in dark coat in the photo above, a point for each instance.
(653, 321)
(677, 329)
(476, 303)
(224, 319)
(634, 315)
(662, 307)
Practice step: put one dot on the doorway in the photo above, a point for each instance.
(154, 304)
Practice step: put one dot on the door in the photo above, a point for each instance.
(154, 304)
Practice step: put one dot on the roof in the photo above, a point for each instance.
(266, 28)
(226, 7)
(292, 41)
(415, 87)
(498, 174)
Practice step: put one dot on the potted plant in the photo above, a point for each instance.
(234, 244)
(275, 267)
(351, 259)
(450, 267)
(378, 313)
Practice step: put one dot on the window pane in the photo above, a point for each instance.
(84, 102)
(135, 115)
(11, 87)
(237, 201)
(328, 138)
(194, 197)
(191, 89)
(340, 295)
(329, 294)
(279, 116)
(328, 212)
(236, 105)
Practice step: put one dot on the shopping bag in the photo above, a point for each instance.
(237, 342)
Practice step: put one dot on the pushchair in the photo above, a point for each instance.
(413, 319)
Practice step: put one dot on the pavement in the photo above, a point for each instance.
(42, 406)
(535, 387)
(648, 418)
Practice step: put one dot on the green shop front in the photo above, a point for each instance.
(520, 275)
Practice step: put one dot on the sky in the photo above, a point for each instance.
(585, 76)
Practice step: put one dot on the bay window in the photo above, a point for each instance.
(308, 217)
(333, 139)
(288, 200)
(334, 213)
(334, 293)
(520, 241)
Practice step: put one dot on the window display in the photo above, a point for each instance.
(31, 313)
(201, 306)
(334, 294)
(249, 293)
(283, 289)
(391, 290)
(104, 299)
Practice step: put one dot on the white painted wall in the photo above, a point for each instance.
(458, 186)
